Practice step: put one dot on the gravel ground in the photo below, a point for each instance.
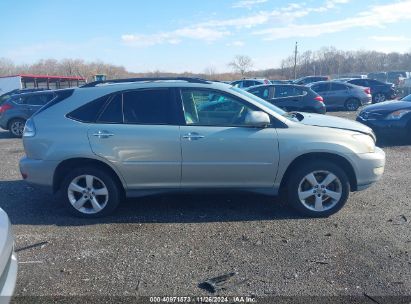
(166, 245)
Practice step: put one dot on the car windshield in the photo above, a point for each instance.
(407, 98)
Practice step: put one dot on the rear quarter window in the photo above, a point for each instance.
(89, 112)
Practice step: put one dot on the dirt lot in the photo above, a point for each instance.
(166, 245)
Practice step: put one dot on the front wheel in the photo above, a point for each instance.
(16, 127)
(90, 192)
(352, 104)
(318, 189)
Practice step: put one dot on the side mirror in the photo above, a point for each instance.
(257, 119)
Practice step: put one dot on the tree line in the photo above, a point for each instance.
(326, 61)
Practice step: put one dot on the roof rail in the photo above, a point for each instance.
(187, 79)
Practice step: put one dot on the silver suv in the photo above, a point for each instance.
(109, 140)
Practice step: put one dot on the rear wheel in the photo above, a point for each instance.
(16, 127)
(352, 104)
(379, 97)
(318, 189)
(90, 192)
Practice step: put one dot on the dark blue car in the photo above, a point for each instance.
(389, 119)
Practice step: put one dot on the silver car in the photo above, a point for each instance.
(126, 138)
(8, 259)
(338, 95)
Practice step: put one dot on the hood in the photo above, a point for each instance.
(388, 106)
(320, 120)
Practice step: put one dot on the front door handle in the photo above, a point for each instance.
(193, 136)
(103, 134)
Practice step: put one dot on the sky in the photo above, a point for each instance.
(194, 35)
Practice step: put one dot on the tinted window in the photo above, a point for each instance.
(39, 100)
(359, 82)
(284, 91)
(257, 92)
(61, 95)
(113, 112)
(147, 107)
(374, 82)
(338, 87)
(209, 108)
(249, 83)
(19, 100)
(322, 87)
(299, 91)
(90, 111)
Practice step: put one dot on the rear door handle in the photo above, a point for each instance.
(193, 136)
(103, 134)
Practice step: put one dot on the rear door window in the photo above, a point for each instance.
(321, 87)
(148, 107)
(338, 87)
(284, 91)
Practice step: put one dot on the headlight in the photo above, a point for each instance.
(367, 141)
(397, 114)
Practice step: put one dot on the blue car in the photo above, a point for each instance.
(391, 119)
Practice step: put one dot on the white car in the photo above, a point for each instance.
(8, 259)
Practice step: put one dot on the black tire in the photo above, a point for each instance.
(352, 104)
(103, 178)
(16, 127)
(298, 178)
(378, 97)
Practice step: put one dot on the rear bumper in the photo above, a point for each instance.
(369, 168)
(366, 100)
(38, 172)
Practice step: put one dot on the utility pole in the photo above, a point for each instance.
(295, 60)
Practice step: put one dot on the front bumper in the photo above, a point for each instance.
(8, 279)
(38, 172)
(369, 168)
(395, 129)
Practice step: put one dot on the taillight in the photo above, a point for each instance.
(319, 98)
(5, 107)
(367, 91)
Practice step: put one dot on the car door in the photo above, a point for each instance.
(137, 132)
(219, 149)
(338, 94)
(323, 89)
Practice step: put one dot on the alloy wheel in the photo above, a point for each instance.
(379, 98)
(88, 194)
(320, 191)
(17, 128)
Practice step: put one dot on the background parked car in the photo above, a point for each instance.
(18, 108)
(380, 76)
(342, 95)
(380, 91)
(310, 79)
(395, 77)
(7, 95)
(290, 97)
(389, 119)
(245, 83)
